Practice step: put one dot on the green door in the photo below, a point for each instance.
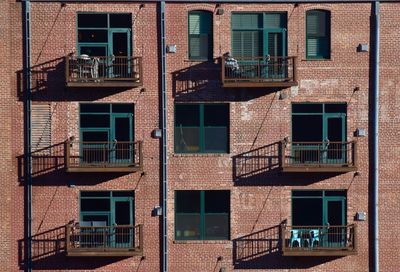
(334, 217)
(122, 215)
(274, 64)
(119, 48)
(121, 130)
(334, 147)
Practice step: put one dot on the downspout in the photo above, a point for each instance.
(375, 130)
(164, 137)
(27, 130)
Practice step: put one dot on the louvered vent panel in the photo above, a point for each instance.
(41, 126)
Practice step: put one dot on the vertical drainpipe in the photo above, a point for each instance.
(164, 137)
(27, 129)
(375, 129)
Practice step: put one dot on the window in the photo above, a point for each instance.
(318, 34)
(102, 34)
(319, 133)
(110, 207)
(201, 128)
(200, 35)
(202, 215)
(106, 133)
(258, 34)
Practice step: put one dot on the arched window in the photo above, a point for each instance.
(318, 32)
(200, 35)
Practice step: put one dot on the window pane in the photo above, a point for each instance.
(187, 201)
(335, 108)
(217, 201)
(307, 212)
(194, 23)
(216, 226)
(121, 20)
(187, 115)
(216, 115)
(92, 20)
(95, 107)
(92, 36)
(123, 193)
(335, 193)
(187, 139)
(94, 136)
(101, 218)
(95, 205)
(307, 128)
(275, 20)
(187, 227)
(122, 108)
(216, 139)
(95, 121)
(246, 21)
(307, 108)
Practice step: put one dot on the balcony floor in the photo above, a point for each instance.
(92, 252)
(319, 252)
(100, 169)
(257, 84)
(103, 84)
(318, 168)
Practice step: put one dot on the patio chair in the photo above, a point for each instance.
(295, 238)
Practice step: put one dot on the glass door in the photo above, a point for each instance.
(334, 147)
(122, 222)
(120, 63)
(275, 51)
(122, 146)
(334, 220)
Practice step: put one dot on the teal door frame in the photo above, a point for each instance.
(114, 140)
(111, 31)
(326, 141)
(330, 239)
(127, 238)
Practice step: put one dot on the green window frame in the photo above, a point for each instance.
(318, 34)
(101, 206)
(201, 128)
(258, 34)
(202, 215)
(200, 33)
(318, 199)
(100, 37)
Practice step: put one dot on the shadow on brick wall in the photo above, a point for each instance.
(48, 253)
(262, 165)
(201, 81)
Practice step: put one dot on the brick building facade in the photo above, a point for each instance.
(263, 175)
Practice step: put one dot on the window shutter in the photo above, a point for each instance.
(274, 20)
(41, 126)
(194, 23)
(245, 21)
(318, 34)
(200, 28)
(246, 44)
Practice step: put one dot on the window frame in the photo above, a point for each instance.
(327, 37)
(202, 214)
(210, 49)
(202, 127)
(324, 199)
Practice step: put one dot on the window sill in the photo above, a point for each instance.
(317, 59)
(201, 155)
(197, 60)
(202, 241)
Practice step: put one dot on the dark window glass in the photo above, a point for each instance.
(121, 20)
(187, 227)
(94, 136)
(187, 115)
(307, 108)
(92, 20)
(335, 193)
(335, 108)
(122, 193)
(216, 226)
(95, 107)
(307, 128)
(97, 218)
(95, 205)
(188, 201)
(95, 194)
(307, 193)
(307, 212)
(95, 121)
(216, 115)
(99, 51)
(92, 36)
(217, 201)
(187, 139)
(122, 108)
(215, 139)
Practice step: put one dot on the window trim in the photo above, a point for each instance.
(328, 35)
(202, 130)
(210, 53)
(202, 215)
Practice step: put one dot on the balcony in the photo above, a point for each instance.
(259, 72)
(85, 71)
(104, 241)
(318, 240)
(103, 156)
(334, 157)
